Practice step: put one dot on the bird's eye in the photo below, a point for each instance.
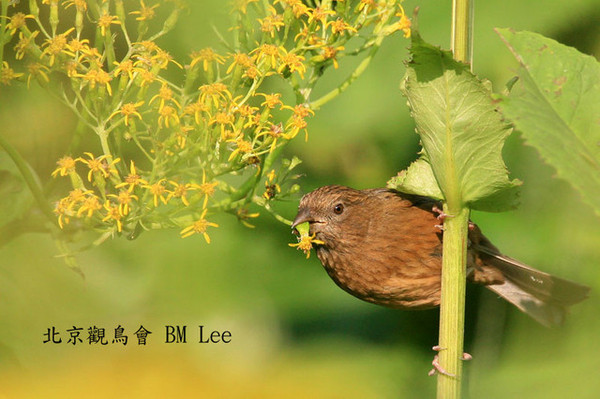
(338, 209)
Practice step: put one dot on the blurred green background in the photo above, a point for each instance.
(294, 333)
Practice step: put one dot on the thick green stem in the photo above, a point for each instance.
(452, 305)
(462, 28)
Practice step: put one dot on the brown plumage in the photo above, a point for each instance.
(384, 247)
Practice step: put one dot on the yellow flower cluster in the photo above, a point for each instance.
(189, 134)
(130, 195)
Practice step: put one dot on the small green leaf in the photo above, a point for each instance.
(556, 105)
(417, 179)
(461, 131)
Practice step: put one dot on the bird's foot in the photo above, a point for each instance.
(441, 216)
(437, 368)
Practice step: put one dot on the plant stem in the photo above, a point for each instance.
(456, 228)
(30, 180)
(452, 306)
(315, 105)
(3, 12)
(462, 30)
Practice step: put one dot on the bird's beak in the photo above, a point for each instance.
(303, 216)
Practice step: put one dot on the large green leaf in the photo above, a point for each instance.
(461, 132)
(556, 105)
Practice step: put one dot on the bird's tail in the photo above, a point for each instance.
(542, 296)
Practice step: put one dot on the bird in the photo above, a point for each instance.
(385, 247)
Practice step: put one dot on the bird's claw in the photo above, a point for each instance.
(441, 216)
(437, 368)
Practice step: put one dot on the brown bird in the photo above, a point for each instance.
(384, 247)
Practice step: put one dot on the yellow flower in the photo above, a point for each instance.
(146, 46)
(207, 189)
(63, 211)
(127, 110)
(301, 110)
(76, 45)
(298, 7)
(56, 45)
(90, 204)
(271, 100)
(165, 94)
(214, 92)
(92, 56)
(158, 190)
(271, 23)
(252, 73)
(66, 165)
(17, 21)
(7, 74)
(242, 147)
(97, 76)
(76, 196)
(37, 69)
(81, 5)
(330, 53)
(114, 214)
(319, 14)
(133, 179)
(146, 76)
(72, 68)
(404, 24)
(182, 134)
(167, 116)
(223, 119)
(308, 34)
(267, 52)
(271, 188)
(243, 215)
(180, 191)
(294, 63)
(99, 165)
(306, 242)
(339, 26)
(246, 110)
(275, 131)
(24, 44)
(124, 67)
(295, 125)
(368, 5)
(162, 59)
(241, 5)
(241, 59)
(206, 56)
(106, 20)
(124, 199)
(199, 227)
(145, 13)
(196, 109)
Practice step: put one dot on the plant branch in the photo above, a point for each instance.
(315, 105)
(30, 180)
